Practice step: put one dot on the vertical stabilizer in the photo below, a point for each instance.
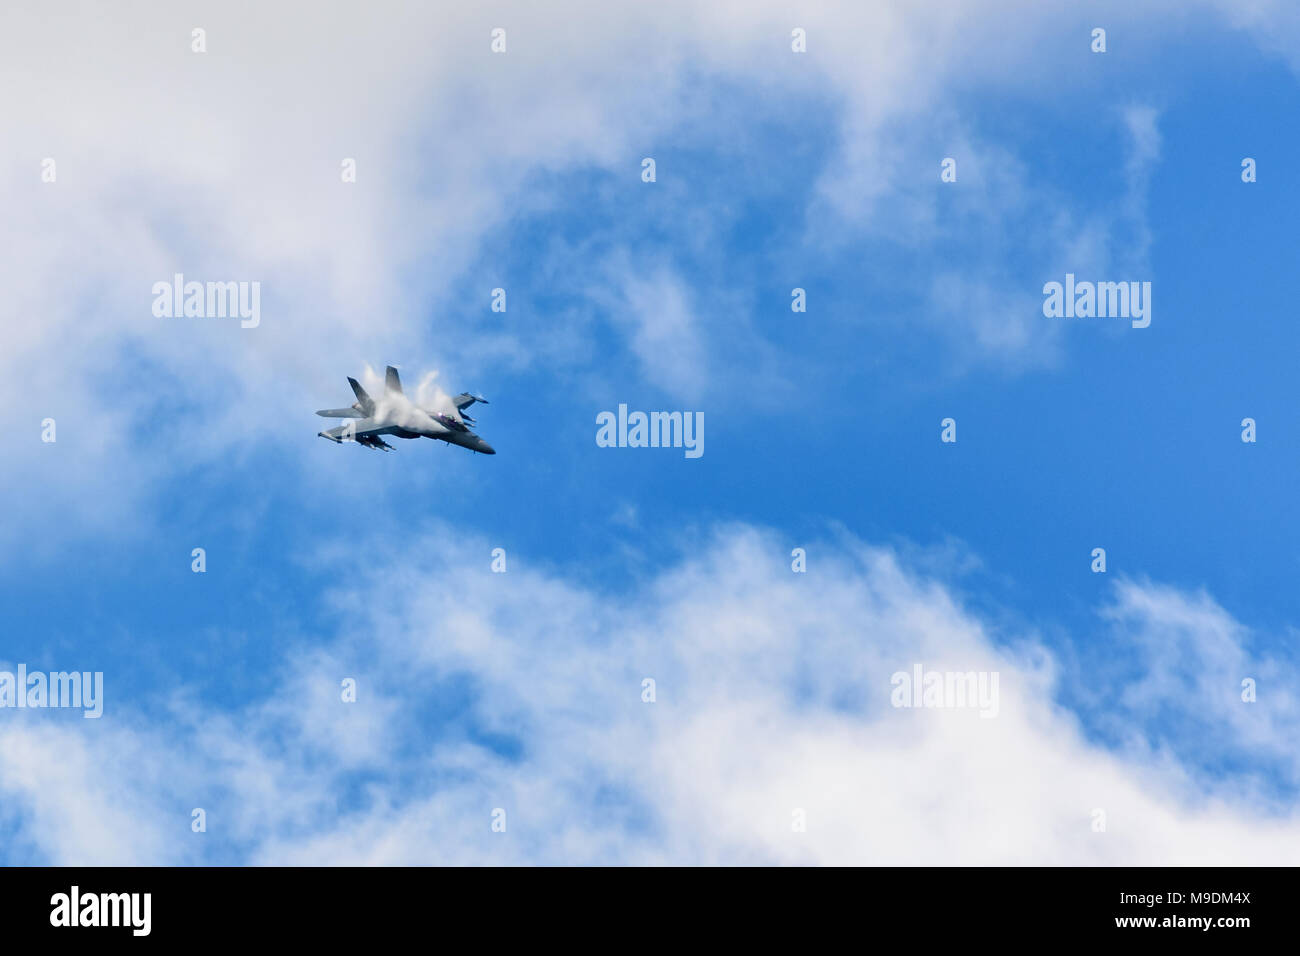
(365, 401)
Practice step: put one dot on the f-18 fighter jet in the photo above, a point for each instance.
(397, 415)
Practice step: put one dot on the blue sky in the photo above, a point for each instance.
(822, 432)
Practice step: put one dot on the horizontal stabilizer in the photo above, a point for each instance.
(464, 400)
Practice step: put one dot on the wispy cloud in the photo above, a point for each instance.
(772, 695)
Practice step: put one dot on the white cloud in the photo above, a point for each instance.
(773, 694)
(663, 331)
(1188, 659)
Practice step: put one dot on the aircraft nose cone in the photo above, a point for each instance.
(485, 448)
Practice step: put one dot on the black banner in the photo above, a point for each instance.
(1160, 906)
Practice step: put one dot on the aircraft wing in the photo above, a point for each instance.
(340, 413)
(362, 428)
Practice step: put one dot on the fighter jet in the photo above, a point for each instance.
(397, 415)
